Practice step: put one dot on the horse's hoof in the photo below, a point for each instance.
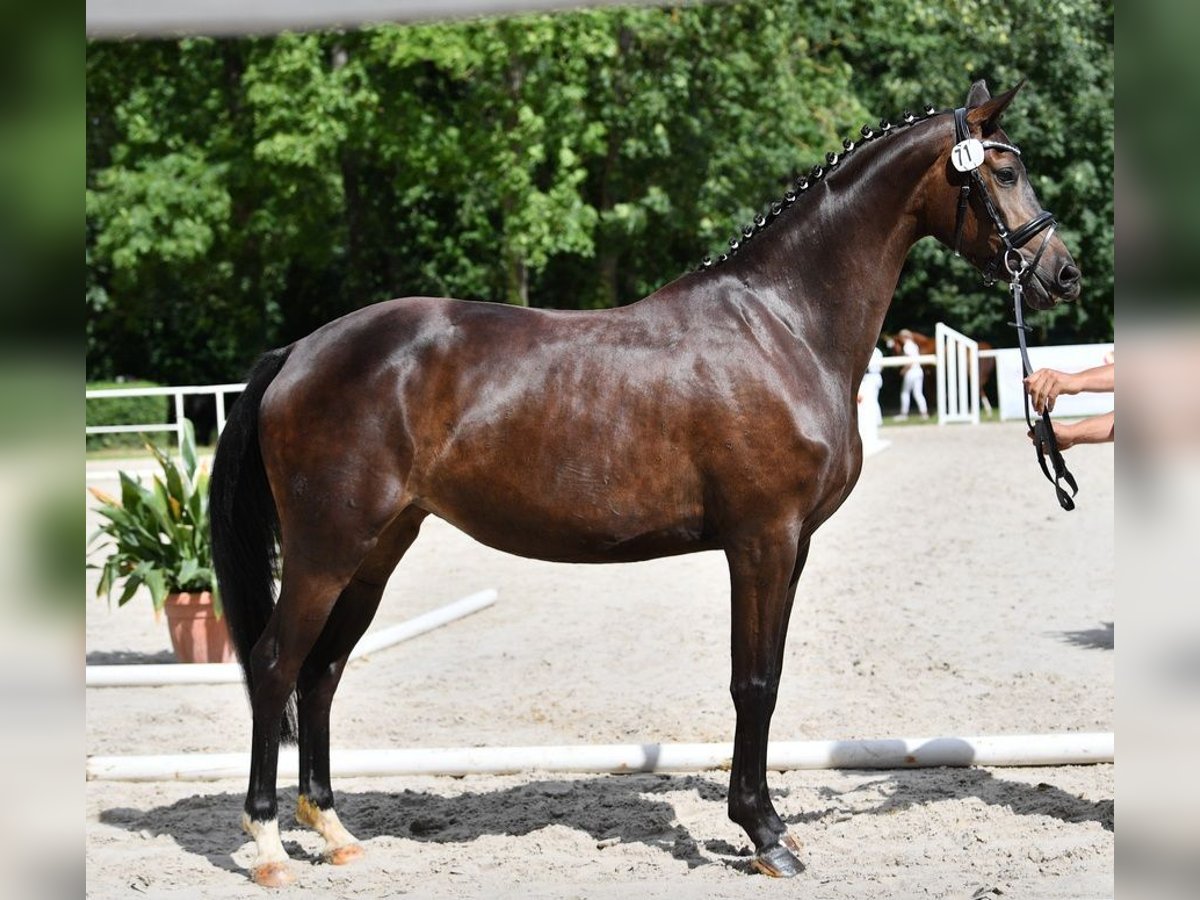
(790, 841)
(339, 856)
(777, 861)
(272, 874)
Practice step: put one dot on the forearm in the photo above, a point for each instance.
(1097, 380)
(1095, 430)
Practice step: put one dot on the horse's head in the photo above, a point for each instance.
(997, 222)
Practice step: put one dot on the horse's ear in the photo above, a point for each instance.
(979, 94)
(986, 115)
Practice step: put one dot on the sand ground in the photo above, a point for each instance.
(949, 596)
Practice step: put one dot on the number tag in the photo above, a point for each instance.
(966, 156)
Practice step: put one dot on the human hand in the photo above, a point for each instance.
(1044, 385)
(1064, 436)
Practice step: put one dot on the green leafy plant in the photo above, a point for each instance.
(159, 534)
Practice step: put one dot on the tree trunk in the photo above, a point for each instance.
(516, 271)
(608, 259)
(517, 287)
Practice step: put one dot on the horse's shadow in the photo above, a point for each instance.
(625, 809)
(1091, 638)
(905, 788)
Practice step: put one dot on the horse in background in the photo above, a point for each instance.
(928, 347)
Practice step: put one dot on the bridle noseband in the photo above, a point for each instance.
(967, 157)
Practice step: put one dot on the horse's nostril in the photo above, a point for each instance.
(1068, 276)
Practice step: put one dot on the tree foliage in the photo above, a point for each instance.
(242, 192)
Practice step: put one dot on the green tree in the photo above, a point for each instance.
(906, 53)
(240, 193)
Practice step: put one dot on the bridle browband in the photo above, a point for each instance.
(1018, 271)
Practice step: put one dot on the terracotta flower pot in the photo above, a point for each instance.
(197, 635)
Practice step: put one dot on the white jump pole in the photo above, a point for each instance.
(899, 753)
(436, 618)
(153, 675)
(231, 673)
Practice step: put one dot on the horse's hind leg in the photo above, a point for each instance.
(321, 673)
(306, 598)
(321, 554)
(763, 571)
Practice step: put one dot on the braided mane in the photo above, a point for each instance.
(804, 182)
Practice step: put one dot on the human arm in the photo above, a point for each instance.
(1094, 430)
(1045, 385)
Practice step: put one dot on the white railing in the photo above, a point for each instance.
(957, 376)
(930, 359)
(217, 390)
(925, 359)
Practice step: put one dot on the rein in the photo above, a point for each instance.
(1045, 443)
(967, 156)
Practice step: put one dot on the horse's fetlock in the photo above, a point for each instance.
(261, 809)
(742, 807)
(315, 799)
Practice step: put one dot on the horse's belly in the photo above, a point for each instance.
(571, 516)
(573, 544)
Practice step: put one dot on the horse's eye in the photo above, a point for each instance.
(1006, 176)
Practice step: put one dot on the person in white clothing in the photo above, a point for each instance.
(914, 378)
(868, 389)
(870, 416)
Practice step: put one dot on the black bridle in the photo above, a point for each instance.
(1012, 240)
(1019, 270)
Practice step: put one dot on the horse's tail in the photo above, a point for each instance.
(245, 525)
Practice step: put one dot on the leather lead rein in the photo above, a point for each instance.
(1045, 443)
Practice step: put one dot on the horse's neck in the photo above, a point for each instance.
(835, 258)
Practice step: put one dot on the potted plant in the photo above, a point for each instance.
(160, 540)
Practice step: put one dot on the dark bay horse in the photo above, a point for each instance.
(716, 414)
(928, 347)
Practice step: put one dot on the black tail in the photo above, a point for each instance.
(245, 525)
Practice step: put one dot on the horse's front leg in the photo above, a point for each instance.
(764, 569)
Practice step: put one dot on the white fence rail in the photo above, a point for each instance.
(178, 393)
(957, 376)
